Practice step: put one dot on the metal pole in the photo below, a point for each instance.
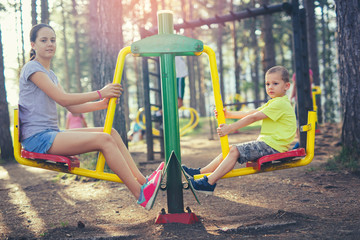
(302, 67)
(170, 118)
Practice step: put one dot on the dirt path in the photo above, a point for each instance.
(298, 203)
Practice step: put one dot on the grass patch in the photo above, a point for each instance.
(197, 130)
(346, 159)
(312, 169)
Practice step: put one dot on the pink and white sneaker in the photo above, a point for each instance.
(159, 169)
(149, 191)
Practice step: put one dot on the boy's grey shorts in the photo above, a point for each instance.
(253, 150)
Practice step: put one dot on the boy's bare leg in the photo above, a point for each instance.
(225, 166)
(212, 165)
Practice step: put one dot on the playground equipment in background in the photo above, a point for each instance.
(236, 98)
(316, 90)
(193, 120)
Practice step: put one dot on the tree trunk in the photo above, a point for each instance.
(236, 58)
(77, 48)
(329, 87)
(107, 41)
(348, 19)
(313, 50)
(220, 5)
(190, 61)
(268, 60)
(98, 116)
(255, 66)
(22, 34)
(33, 13)
(45, 11)
(201, 86)
(196, 74)
(6, 147)
(156, 66)
(65, 57)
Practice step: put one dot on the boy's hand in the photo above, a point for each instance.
(224, 129)
(216, 113)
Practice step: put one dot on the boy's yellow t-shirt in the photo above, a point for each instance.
(279, 128)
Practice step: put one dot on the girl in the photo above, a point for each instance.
(39, 93)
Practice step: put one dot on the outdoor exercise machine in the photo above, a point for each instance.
(300, 50)
(173, 45)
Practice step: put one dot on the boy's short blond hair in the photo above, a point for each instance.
(284, 72)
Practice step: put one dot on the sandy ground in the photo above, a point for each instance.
(298, 203)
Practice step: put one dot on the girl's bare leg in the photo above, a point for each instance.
(124, 151)
(77, 142)
(225, 166)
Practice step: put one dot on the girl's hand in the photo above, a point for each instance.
(224, 129)
(104, 103)
(112, 90)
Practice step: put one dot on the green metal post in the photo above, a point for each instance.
(170, 118)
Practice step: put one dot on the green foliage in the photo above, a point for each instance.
(64, 224)
(44, 234)
(2, 7)
(346, 159)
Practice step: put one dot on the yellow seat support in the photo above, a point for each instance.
(99, 172)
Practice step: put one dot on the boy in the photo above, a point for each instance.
(277, 132)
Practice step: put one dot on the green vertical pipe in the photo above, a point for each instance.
(170, 118)
(165, 22)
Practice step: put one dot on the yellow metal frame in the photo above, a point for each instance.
(98, 173)
(316, 91)
(309, 128)
(142, 122)
(217, 97)
(191, 124)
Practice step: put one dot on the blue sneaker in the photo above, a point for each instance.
(297, 145)
(190, 172)
(202, 185)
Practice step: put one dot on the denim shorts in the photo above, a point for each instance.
(250, 151)
(40, 142)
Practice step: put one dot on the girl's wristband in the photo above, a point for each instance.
(100, 97)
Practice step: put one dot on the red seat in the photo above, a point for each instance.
(299, 152)
(71, 161)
